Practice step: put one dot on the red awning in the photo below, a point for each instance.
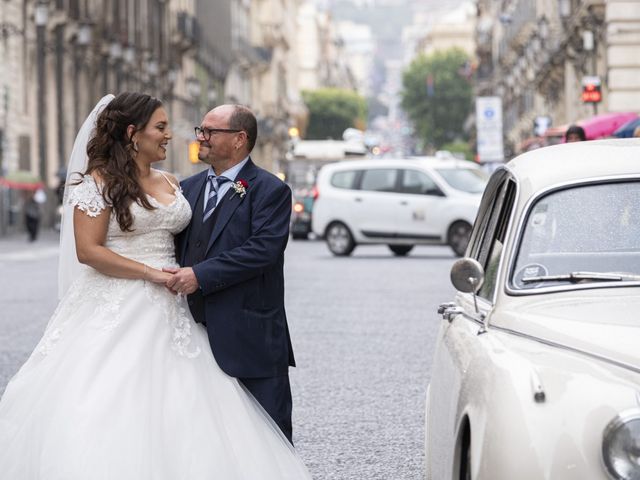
(20, 185)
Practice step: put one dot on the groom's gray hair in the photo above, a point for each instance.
(242, 118)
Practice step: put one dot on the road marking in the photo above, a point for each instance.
(29, 255)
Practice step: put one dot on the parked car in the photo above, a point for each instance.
(397, 202)
(536, 371)
(301, 212)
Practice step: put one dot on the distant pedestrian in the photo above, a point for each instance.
(575, 133)
(32, 216)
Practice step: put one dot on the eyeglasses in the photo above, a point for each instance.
(207, 132)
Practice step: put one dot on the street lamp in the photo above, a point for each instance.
(172, 76)
(115, 52)
(152, 67)
(193, 87)
(194, 90)
(84, 34)
(41, 19)
(565, 8)
(129, 54)
(82, 41)
(543, 28)
(212, 96)
(171, 79)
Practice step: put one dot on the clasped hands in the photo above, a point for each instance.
(182, 281)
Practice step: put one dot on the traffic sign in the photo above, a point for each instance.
(591, 91)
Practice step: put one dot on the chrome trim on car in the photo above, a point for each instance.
(510, 270)
(562, 346)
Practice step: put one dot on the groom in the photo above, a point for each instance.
(232, 256)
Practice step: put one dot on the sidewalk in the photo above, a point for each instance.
(15, 246)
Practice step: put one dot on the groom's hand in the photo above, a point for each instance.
(183, 281)
(172, 271)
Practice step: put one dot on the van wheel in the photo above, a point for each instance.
(400, 250)
(458, 237)
(339, 239)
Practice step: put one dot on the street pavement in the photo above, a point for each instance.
(363, 329)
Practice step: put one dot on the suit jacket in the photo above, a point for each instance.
(241, 276)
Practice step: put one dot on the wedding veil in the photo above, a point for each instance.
(68, 267)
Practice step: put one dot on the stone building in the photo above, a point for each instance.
(58, 57)
(535, 53)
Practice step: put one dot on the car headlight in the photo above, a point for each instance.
(621, 446)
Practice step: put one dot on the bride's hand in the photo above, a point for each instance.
(157, 276)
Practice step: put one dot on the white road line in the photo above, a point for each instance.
(29, 255)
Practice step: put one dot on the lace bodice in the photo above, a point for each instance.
(150, 242)
(151, 238)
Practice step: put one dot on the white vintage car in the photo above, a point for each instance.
(536, 373)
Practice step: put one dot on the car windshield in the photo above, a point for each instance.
(470, 180)
(585, 234)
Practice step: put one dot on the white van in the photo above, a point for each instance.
(400, 202)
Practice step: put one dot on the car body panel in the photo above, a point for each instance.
(362, 223)
(537, 376)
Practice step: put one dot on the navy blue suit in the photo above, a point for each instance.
(237, 256)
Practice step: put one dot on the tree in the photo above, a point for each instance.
(437, 96)
(332, 111)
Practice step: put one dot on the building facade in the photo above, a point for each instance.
(453, 30)
(536, 54)
(59, 57)
(276, 98)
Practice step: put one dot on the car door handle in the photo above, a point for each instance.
(404, 202)
(449, 311)
(358, 199)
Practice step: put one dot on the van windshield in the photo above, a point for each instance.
(470, 180)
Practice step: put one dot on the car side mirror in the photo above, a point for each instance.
(467, 275)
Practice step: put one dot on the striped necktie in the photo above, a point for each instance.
(214, 186)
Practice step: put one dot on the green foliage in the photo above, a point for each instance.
(438, 112)
(459, 147)
(332, 111)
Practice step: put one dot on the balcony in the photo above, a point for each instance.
(518, 25)
(273, 35)
(187, 34)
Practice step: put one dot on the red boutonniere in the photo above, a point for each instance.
(240, 187)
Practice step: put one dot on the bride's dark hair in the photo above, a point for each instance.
(111, 153)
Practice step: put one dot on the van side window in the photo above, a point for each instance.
(343, 179)
(419, 183)
(379, 180)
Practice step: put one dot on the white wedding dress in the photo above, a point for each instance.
(123, 384)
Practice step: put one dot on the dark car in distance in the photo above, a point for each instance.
(301, 213)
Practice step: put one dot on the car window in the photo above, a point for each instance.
(494, 240)
(379, 180)
(588, 228)
(416, 182)
(489, 231)
(470, 180)
(343, 179)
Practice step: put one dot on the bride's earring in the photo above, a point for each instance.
(135, 146)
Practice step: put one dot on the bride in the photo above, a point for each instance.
(123, 384)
